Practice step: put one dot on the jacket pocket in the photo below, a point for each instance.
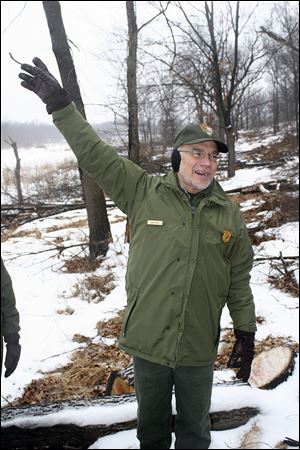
(217, 340)
(132, 299)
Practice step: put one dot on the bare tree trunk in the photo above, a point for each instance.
(133, 123)
(99, 227)
(17, 170)
(230, 138)
(275, 110)
(295, 72)
(224, 99)
(133, 120)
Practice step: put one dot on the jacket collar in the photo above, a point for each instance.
(216, 194)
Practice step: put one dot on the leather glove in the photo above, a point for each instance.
(44, 85)
(242, 354)
(13, 351)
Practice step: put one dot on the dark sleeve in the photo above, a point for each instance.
(10, 322)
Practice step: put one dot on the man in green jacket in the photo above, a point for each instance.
(189, 255)
(9, 324)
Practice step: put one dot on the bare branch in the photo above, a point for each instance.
(153, 18)
(14, 18)
(57, 248)
(14, 59)
(279, 39)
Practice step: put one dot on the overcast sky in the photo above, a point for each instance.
(24, 33)
(91, 26)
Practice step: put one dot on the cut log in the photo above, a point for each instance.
(234, 418)
(58, 436)
(121, 382)
(44, 409)
(72, 436)
(117, 385)
(272, 367)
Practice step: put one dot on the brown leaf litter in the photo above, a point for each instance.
(85, 376)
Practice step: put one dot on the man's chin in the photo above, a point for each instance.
(200, 186)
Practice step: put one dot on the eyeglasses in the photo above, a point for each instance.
(201, 154)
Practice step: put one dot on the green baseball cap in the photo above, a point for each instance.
(191, 134)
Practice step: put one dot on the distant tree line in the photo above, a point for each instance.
(35, 134)
(29, 134)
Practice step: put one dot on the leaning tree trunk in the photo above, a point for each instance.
(99, 227)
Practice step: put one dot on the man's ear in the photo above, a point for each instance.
(175, 159)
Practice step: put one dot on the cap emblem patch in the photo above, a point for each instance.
(206, 128)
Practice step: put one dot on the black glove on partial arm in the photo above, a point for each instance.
(242, 353)
(43, 84)
(13, 351)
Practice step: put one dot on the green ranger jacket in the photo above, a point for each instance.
(9, 313)
(186, 261)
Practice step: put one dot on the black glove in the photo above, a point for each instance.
(242, 353)
(13, 351)
(43, 84)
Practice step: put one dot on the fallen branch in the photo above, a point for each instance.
(57, 248)
(31, 435)
(24, 213)
(290, 442)
(272, 258)
(36, 207)
(265, 187)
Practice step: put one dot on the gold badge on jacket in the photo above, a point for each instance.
(226, 236)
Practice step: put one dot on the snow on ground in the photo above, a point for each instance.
(35, 157)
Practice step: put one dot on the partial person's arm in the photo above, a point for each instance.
(10, 323)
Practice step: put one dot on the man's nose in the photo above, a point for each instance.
(206, 159)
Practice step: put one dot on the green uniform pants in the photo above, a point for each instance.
(153, 385)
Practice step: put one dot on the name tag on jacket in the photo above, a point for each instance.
(155, 222)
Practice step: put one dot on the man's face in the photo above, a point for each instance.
(196, 171)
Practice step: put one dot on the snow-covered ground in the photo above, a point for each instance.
(42, 290)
